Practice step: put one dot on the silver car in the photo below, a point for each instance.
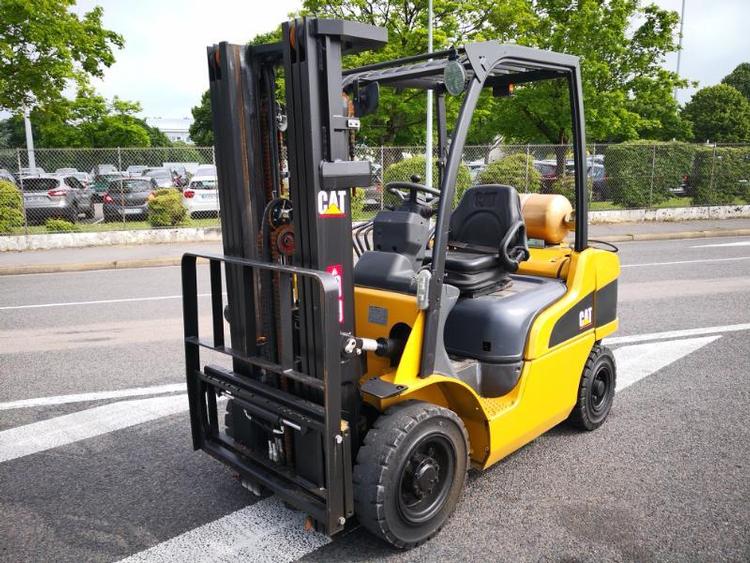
(161, 176)
(56, 196)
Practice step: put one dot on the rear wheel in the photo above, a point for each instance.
(410, 472)
(596, 391)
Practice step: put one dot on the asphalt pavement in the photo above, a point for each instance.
(96, 461)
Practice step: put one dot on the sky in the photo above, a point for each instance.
(163, 65)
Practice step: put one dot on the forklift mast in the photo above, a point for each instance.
(287, 265)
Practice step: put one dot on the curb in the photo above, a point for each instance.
(674, 235)
(157, 262)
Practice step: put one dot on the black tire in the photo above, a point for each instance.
(596, 391)
(396, 501)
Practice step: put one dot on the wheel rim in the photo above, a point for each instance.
(600, 389)
(426, 479)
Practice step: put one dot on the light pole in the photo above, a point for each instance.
(679, 47)
(428, 140)
(29, 141)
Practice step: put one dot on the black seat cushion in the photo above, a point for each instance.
(470, 262)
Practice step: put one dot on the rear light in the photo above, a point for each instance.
(56, 193)
(108, 198)
(188, 193)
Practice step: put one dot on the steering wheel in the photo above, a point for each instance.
(413, 187)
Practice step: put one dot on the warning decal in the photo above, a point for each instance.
(332, 204)
(336, 270)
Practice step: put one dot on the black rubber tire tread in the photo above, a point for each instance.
(580, 417)
(379, 457)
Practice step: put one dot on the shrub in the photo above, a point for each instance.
(358, 204)
(11, 207)
(642, 173)
(718, 175)
(403, 170)
(165, 208)
(60, 226)
(515, 170)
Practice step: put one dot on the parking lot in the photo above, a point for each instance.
(96, 461)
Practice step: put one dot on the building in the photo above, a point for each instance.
(176, 129)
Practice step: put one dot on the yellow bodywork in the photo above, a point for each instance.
(548, 385)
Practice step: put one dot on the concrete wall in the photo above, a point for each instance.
(211, 234)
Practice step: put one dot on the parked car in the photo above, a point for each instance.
(7, 176)
(56, 196)
(100, 169)
(136, 169)
(29, 172)
(201, 196)
(475, 168)
(598, 176)
(82, 177)
(101, 184)
(127, 198)
(162, 177)
(205, 170)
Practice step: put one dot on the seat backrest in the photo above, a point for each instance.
(484, 215)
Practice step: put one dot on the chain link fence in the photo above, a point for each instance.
(104, 189)
(72, 190)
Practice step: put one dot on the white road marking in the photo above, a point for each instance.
(96, 396)
(264, 531)
(686, 333)
(641, 360)
(685, 262)
(717, 245)
(62, 430)
(100, 302)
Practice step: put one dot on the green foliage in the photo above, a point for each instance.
(11, 207)
(165, 209)
(358, 204)
(403, 170)
(61, 226)
(720, 114)
(739, 78)
(515, 170)
(88, 120)
(201, 129)
(44, 46)
(720, 175)
(641, 173)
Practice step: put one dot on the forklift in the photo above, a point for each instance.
(367, 388)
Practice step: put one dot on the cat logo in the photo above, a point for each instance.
(332, 204)
(584, 318)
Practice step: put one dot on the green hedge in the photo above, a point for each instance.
(632, 168)
(61, 226)
(166, 209)
(515, 170)
(11, 207)
(720, 175)
(403, 170)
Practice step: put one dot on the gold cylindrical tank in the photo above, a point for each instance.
(547, 216)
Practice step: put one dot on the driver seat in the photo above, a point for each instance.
(486, 240)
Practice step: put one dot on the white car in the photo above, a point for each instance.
(201, 196)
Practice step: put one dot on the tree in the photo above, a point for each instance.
(88, 120)
(739, 78)
(622, 45)
(202, 129)
(44, 46)
(720, 114)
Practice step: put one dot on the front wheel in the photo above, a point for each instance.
(596, 391)
(410, 472)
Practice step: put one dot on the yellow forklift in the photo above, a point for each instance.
(366, 388)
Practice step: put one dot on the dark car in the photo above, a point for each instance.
(100, 184)
(127, 198)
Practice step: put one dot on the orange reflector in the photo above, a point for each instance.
(292, 36)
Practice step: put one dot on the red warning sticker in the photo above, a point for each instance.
(337, 272)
